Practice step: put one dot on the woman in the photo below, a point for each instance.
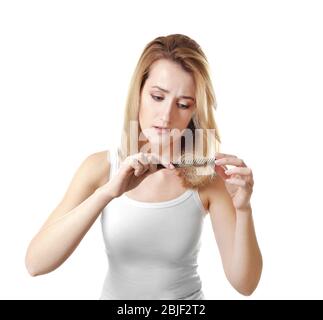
(152, 218)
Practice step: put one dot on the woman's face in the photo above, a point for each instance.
(167, 102)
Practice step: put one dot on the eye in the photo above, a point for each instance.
(183, 106)
(157, 98)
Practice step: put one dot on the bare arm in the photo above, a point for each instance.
(82, 203)
(235, 234)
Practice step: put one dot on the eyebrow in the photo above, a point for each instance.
(167, 91)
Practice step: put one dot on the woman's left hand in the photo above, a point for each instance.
(238, 180)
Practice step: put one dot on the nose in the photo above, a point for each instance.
(165, 116)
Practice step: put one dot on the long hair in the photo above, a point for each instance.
(188, 54)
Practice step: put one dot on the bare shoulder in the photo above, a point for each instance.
(216, 185)
(97, 167)
(93, 172)
(213, 192)
(219, 200)
(90, 175)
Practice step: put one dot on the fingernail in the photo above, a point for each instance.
(171, 166)
(217, 161)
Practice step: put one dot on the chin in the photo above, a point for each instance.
(157, 141)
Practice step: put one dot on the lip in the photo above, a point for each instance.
(161, 129)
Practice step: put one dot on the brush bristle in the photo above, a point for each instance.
(188, 161)
(196, 176)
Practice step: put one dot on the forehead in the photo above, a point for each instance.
(171, 76)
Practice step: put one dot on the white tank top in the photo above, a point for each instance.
(152, 247)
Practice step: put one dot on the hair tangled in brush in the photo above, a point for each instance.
(195, 177)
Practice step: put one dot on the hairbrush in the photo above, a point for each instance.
(196, 162)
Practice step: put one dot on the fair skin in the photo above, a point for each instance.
(227, 201)
(167, 100)
(167, 109)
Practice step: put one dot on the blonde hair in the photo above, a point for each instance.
(188, 54)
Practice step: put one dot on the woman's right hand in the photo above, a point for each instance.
(133, 170)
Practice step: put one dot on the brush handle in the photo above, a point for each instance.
(160, 166)
(197, 162)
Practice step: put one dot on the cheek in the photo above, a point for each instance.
(145, 113)
(147, 109)
(184, 121)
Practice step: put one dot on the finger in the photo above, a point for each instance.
(236, 181)
(241, 173)
(230, 161)
(245, 171)
(219, 155)
(138, 167)
(156, 159)
(152, 165)
(143, 160)
(221, 172)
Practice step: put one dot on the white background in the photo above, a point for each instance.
(65, 68)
